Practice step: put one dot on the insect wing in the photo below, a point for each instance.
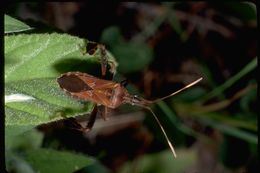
(86, 87)
(102, 90)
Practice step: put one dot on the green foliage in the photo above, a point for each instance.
(245, 10)
(96, 167)
(220, 89)
(14, 25)
(23, 153)
(47, 160)
(132, 57)
(36, 56)
(32, 64)
(111, 36)
(33, 97)
(48, 103)
(29, 140)
(248, 99)
(162, 162)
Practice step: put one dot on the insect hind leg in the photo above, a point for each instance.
(74, 123)
(91, 120)
(102, 111)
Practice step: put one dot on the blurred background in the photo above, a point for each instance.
(161, 47)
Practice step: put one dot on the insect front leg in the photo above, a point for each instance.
(92, 48)
(103, 59)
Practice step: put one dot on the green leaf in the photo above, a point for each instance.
(232, 131)
(14, 25)
(248, 99)
(48, 103)
(96, 167)
(111, 36)
(15, 144)
(245, 11)
(162, 162)
(220, 89)
(15, 163)
(32, 64)
(47, 160)
(29, 140)
(42, 55)
(132, 56)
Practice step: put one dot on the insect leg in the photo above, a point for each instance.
(102, 110)
(103, 59)
(74, 124)
(92, 120)
(112, 67)
(92, 48)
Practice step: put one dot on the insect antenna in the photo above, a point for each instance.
(159, 123)
(178, 91)
(139, 101)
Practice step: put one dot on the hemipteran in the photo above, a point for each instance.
(106, 93)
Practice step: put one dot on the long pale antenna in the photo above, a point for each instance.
(135, 100)
(176, 92)
(168, 141)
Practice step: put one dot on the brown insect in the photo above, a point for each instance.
(107, 94)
